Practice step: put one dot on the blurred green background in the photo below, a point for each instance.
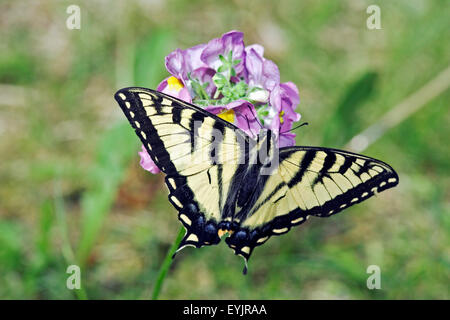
(72, 190)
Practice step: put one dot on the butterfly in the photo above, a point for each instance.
(223, 181)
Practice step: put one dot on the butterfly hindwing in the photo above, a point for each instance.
(309, 182)
(198, 152)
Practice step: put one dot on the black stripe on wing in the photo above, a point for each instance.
(133, 108)
(244, 240)
(384, 178)
(137, 104)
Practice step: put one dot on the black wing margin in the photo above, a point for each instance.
(310, 181)
(178, 137)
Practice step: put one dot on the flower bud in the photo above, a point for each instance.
(259, 95)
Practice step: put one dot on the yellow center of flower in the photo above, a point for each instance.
(281, 117)
(227, 115)
(174, 84)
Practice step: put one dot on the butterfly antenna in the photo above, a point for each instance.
(303, 124)
(248, 122)
(255, 117)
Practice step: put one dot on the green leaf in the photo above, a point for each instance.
(222, 59)
(230, 56)
(222, 68)
(46, 220)
(219, 80)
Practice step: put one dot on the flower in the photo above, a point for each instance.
(241, 113)
(147, 162)
(233, 42)
(284, 98)
(235, 82)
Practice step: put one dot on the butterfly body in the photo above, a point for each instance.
(222, 181)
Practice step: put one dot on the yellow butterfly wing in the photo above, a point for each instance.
(198, 152)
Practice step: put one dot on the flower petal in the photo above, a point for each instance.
(182, 94)
(245, 115)
(147, 162)
(215, 109)
(271, 75)
(204, 75)
(246, 118)
(192, 56)
(256, 47)
(175, 64)
(286, 139)
(254, 64)
(230, 41)
(291, 90)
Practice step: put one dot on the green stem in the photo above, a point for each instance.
(166, 264)
(67, 250)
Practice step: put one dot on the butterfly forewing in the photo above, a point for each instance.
(197, 150)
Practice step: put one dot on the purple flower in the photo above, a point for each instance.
(260, 72)
(174, 87)
(234, 82)
(232, 41)
(147, 162)
(181, 62)
(241, 113)
(284, 98)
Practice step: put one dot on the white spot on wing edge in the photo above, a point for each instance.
(261, 240)
(378, 168)
(177, 202)
(280, 230)
(172, 182)
(246, 250)
(297, 220)
(391, 180)
(122, 96)
(185, 219)
(192, 237)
